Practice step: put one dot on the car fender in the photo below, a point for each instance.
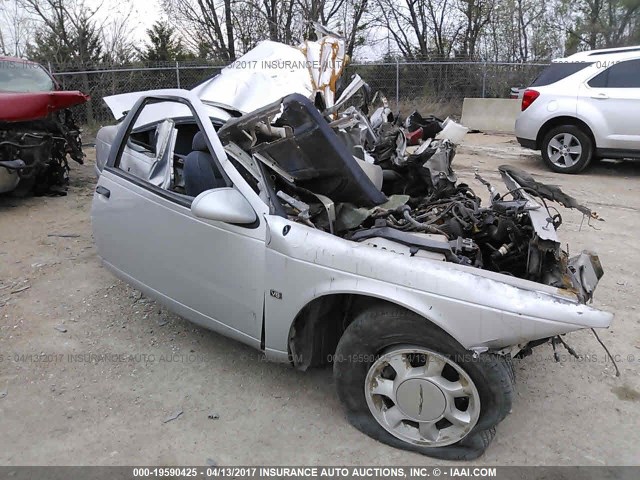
(577, 120)
(480, 309)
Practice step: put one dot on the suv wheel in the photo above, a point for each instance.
(567, 149)
(407, 383)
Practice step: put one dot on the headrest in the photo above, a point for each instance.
(199, 143)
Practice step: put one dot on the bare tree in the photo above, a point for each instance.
(319, 11)
(117, 34)
(233, 26)
(445, 27)
(406, 22)
(476, 15)
(354, 24)
(599, 23)
(248, 25)
(208, 21)
(15, 28)
(520, 31)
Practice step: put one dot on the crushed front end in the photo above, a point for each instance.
(34, 153)
(356, 176)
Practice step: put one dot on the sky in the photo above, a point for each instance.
(142, 14)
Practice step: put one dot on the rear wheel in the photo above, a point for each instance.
(567, 149)
(405, 382)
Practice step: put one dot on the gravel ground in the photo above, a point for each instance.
(56, 300)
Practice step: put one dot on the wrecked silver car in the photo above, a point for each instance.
(313, 232)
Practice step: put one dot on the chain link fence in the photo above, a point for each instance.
(431, 87)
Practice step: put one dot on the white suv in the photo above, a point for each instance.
(584, 107)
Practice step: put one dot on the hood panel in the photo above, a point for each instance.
(22, 107)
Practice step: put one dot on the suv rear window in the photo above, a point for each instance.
(620, 75)
(557, 71)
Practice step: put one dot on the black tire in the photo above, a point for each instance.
(376, 329)
(581, 161)
(24, 188)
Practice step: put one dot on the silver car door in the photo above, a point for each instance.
(613, 97)
(210, 272)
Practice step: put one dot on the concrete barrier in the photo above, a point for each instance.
(490, 114)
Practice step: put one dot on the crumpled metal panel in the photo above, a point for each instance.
(265, 74)
(274, 70)
(22, 107)
(540, 220)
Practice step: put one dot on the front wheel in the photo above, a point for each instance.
(567, 149)
(407, 383)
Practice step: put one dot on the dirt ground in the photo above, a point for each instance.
(56, 300)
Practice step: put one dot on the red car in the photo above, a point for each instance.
(37, 130)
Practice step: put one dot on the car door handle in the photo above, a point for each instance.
(600, 96)
(105, 192)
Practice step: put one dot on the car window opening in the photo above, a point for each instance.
(174, 156)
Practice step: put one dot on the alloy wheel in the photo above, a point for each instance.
(564, 150)
(421, 396)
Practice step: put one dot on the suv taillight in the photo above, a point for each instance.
(528, 97)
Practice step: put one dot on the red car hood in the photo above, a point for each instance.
(21, 107)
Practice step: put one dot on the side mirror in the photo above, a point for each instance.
(224, 205)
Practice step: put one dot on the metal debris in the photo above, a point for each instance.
(63, 235)
(173, 416)
(21, 289)
(548, 192)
